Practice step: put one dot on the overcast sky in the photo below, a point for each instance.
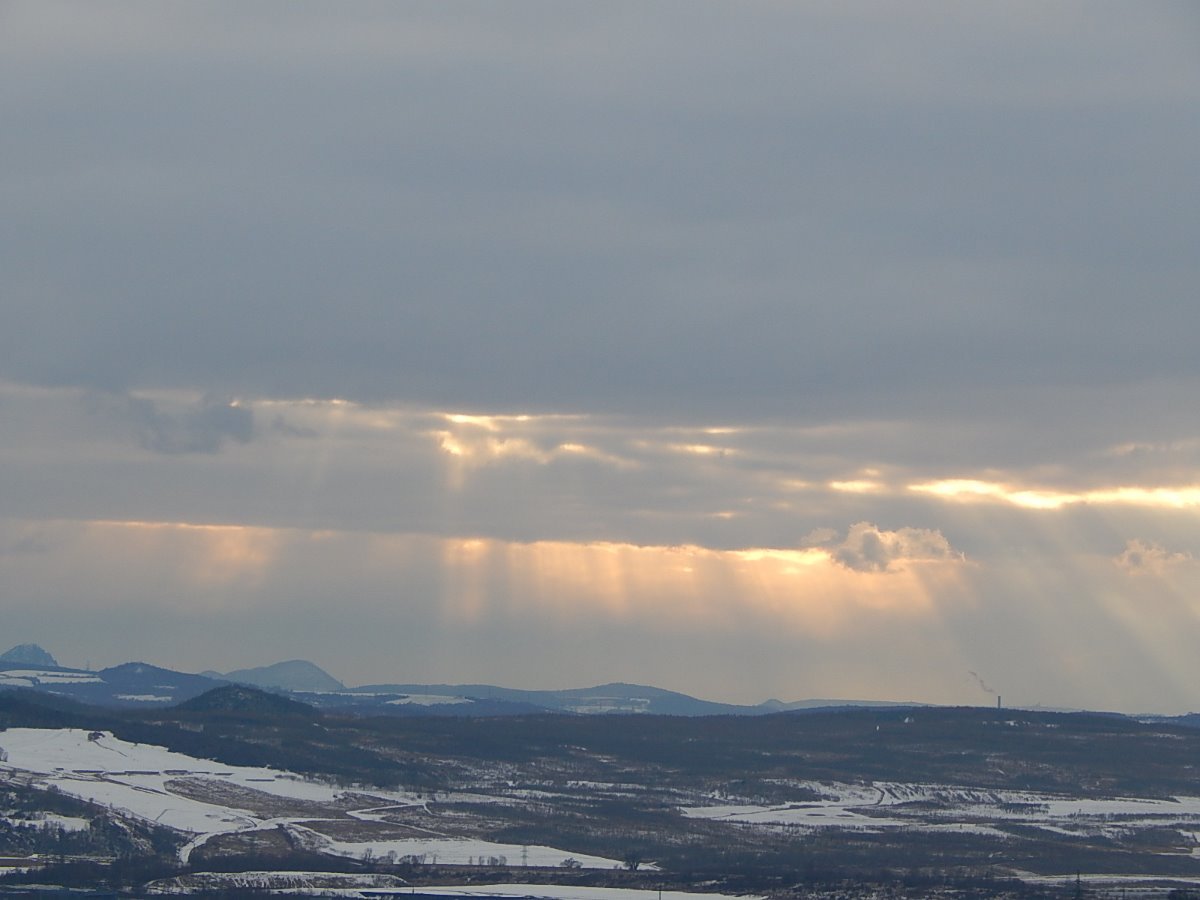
(745, 349)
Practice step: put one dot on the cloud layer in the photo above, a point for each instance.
(541, 340)
(795, 212)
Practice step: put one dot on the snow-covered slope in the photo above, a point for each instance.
(144, 781)
(202, 798)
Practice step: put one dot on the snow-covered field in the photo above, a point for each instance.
(567, 892)
(30, 677)
(811, 815)
(158, 785)
(146, 698)
(73, 755)
(326, 884)
(201, 799)
(335, 885)
(940, 807)
(427, 700)
(454, 851)
(143, 781)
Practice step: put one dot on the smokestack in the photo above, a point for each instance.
(997, 701)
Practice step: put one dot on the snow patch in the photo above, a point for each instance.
(146, 698)
(567, 892)
(933, 807)
(427, 700)
(30, 677)
(457, 852)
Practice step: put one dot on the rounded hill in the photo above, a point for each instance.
(243, 700)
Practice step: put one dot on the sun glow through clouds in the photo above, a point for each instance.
(968, 490)
(808, 589)
(203, 553)
(857, 486)
(455, 523)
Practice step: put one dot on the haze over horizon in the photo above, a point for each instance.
(782, 350)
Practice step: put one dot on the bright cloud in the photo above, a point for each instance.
(971, 490)
(1142, 558)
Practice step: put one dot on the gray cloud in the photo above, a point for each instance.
(798, 213)
(320, 464)
(202, 426)
(867, 548)
(777, 264)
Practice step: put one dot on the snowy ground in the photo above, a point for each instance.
(326, 884)
(143, 781)
(30, 677)
(566, 892)
(202, 799)
(146, 698)
(427, 700)
(159, 785)
(339, 885)
(940, 807)
(457, 852)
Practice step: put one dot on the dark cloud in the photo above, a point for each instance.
(798, 213)
(22, 540)
(197, 427)
(867, 548)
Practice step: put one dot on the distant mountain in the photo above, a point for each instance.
(292, 675)
(28, 655)
(140, 685)
(129, 684)
(1187, 720)
(617, 698)
(773, 706)
(238, 698)
(471, 699)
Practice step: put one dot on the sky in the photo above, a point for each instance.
(750, 350)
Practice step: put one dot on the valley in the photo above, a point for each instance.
(771, 805)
